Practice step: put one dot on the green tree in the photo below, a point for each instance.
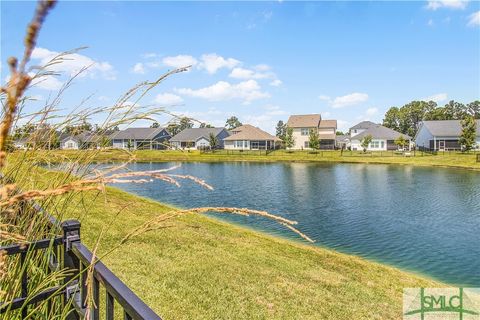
(213, 141)
(469, 133)
(313, 140)
(77, 129)
(232, 123)
(366, 141)
(473, 108)
(392, 119)
(455, 111)
(406, 119)
(155, 125)
(289, 139)
(185, 123)
(339, 133)
(281, 130)
(173, 128)
(401, 142)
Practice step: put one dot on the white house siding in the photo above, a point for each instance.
(423, 138)
(237, 145)
(375, 145)
(354, 132)
(70, 144)
(202, 143)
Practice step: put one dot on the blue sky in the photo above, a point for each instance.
(260, 61)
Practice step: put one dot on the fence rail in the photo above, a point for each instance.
(73, 255)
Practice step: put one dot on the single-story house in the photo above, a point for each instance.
(84, 140)
(248, 137)
(441, 135)
(302, 124)
(140, 138)
(21, 143)
(383, 138)
(198, 138)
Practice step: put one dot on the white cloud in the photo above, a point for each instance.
(449, 4)
(48, 82)
(73, 63)
(241, 73)
(474, 19)
(430, 23)
(276, 83)
(343, 125)
(371, 112)
(349, 100)
(273, 110)
(138, 68)
(168, 99)
(149, 55)
(247, 91)
(262, 67)
(439, 97)
(213, 62)
(179, 61)
(326, 114)
(324, 97)
(103, 98)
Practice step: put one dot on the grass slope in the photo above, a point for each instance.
(201, 268)
(447, 159)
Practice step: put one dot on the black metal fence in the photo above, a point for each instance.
(72, 255)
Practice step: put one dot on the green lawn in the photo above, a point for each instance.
(447, 159)
(200, 268)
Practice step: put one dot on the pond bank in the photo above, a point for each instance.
(451, 160)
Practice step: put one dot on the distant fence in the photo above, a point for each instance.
(71, 254)
(478, 157)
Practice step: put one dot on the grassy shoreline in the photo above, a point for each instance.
(203, 268)
(447, 160)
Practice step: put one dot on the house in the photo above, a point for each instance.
(441, 135)
(84, 140)
(303, 124)
(140, 139)
(383, 138)
(248, 137)
(21, 144)
(198, 138)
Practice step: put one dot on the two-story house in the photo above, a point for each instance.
(303, 124)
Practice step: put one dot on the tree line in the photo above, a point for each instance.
(407, 118)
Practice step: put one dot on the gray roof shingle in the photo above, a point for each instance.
(193, 134)
(446, 128)
(378, 131)
(364, 125)
(136, 133)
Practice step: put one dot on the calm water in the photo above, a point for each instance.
(420, 219)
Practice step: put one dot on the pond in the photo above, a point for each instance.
(425, 220)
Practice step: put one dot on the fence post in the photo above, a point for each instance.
(71, 234)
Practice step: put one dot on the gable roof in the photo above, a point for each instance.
(364, 125)
(378, 131)
(446, 128)
(193, 134)
(249, 132)
(136, 133)
(304, 120)
(328, 124)
(85, 136)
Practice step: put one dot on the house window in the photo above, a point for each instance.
(383, 144)
(304, 131)
(306, 144)
(354, 130)
(375, 144)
